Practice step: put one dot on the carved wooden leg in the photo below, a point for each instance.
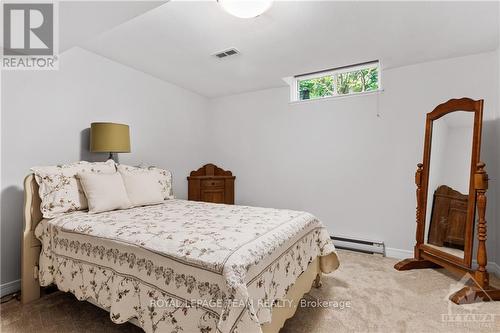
(481, 183)
(413, 263)
(317, 281)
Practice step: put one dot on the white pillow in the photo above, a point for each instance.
(163, 177)
(60, 190)
(142, 188)
(104, 192)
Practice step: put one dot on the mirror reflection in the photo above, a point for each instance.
(449, 179)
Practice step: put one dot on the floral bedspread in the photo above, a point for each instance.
(182, 265)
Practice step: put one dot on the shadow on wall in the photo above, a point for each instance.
(489, 155)
(12, 199)
(85, 154)
(489, 150)
(490, 137)
(11, 203)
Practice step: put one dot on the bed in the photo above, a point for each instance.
(180, 265)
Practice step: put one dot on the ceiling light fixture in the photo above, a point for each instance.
(245, 8)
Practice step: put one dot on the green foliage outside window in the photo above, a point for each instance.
(316, 88)
(357, 81)
(339, 84)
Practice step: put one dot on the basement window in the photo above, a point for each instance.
(342, 81)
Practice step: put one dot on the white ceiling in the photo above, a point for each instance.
(174, 41)
(81, 21)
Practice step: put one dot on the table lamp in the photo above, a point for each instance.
(109, 138)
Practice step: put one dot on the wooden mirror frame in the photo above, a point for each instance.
(454, 105)
(426, 256)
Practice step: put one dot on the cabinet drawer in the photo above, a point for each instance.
(215, 196)
(212, 183)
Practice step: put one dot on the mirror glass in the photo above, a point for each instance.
(449, 179)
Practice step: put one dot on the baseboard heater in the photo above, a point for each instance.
(358, 244)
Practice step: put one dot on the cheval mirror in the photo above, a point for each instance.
(451, 199)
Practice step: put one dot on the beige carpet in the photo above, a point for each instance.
(385, 300)
(376, 298)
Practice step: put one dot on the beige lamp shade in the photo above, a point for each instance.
(109, 138)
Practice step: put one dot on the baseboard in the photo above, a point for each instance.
(398, 253)
(492, 267)
(10, 287)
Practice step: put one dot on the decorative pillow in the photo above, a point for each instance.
(142, 188)
(104, 192)
(163, 177)
(60, 190)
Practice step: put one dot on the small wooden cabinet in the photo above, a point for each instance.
(448, 218)
(211, 184)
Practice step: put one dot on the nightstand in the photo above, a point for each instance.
(211, 184)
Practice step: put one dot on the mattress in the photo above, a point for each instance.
(183, 265)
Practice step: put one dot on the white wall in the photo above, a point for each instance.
(338, 159)
(44, 114)
(496, 181)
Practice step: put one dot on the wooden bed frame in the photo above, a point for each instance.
(31, 247)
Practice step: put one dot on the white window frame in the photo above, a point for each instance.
(294, 82)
